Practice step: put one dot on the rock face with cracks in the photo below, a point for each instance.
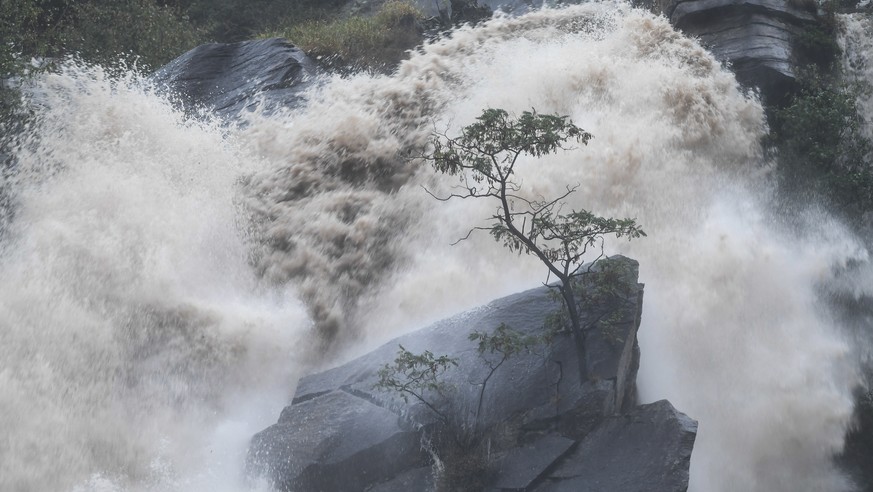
(757, 38)
(553, 430)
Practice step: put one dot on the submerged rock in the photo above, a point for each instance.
(538, 418)
(227, 79)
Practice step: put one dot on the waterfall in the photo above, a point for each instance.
(164, 280)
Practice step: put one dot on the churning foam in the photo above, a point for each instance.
(135, 342)
(154, 262)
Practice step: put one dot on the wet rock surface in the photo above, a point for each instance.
(229, 78)
(757, 38)
(645, 450)
(341, 433)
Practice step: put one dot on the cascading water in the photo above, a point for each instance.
(149, 320)
(130, 320)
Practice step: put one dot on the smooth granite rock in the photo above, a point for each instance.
(523, 466)
(334, 442)
(646, 450)
(228, 79)
(417, 479)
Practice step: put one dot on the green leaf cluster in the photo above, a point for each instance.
(504, 341)
(415, 375)
(98, 31)
(484, 157)
(458, 442)
(141, 31)
(822, 149)
(491, 146)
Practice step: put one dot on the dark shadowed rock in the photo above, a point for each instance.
(535, 388)
(334, 442)
(417, 479)
(230, 78)
(757, 38)
(646, 450)
(341, 433)
(526, 464)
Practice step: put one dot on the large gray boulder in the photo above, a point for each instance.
(228, 78)
(341, 433)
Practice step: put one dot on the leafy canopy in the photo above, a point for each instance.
(484, 157)
(416, 375)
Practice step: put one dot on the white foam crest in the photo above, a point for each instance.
(131, 321)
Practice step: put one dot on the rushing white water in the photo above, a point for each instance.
(131, 324)
(149, 320)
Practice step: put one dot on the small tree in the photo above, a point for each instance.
(421, 375)
(484, 157)
(495, 349)
(416, 375)
(459, 446)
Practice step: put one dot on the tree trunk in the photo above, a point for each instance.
(576, 328)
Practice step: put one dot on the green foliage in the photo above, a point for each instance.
(818, 42)
(416, 375)
(822, 149)
(155, 31)
(31, 28)
(98, 31)
(108, 31)
(237, 20)
(503, 343)
(20, 21)
(491, 146)
(484, 158)
(17, 25)
(376, 42)
(598, 292)
(487, 152)
(461, 450)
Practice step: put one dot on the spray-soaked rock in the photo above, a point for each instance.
(230, 78)
(758, 38)
(645, 450)
(534, 410)
(335, 442)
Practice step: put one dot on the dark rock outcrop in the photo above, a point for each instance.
(648, 449)
(336, 442)
(229, 78)
(759, 39)
(340, 433)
